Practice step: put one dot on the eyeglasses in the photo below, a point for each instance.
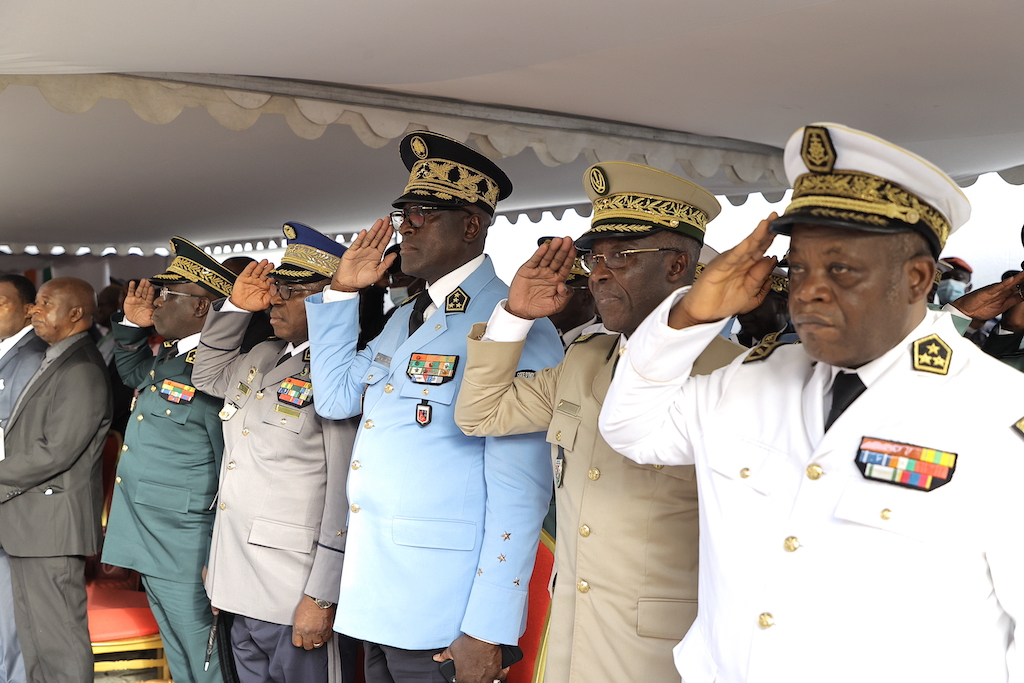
(617, 259)
(164, 293)
(286, 291)
(417, 215)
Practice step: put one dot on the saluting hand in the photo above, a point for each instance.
(538, 289)
(138, 303)
(251, 291)
(361, 264)
(988, 302)
(736, 281)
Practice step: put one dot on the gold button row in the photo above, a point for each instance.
(594, 474)
(582, 586)
(584, 531)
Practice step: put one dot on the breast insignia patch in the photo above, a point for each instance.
(457, 301)
(903, 464)
(931, 354)
(767, 347)
(1018, 426)
(190, 357)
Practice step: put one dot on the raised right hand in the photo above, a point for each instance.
(734, 282)
(251, 291)
(538, 289)
(361, 264)
(138, 303)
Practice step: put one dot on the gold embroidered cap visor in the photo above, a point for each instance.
(633, 200)
(192, 264)
(310, 256)
(445, 172)
(850, 179)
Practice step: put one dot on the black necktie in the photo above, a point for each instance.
(418, 307)
(282, 359)
(845, 390)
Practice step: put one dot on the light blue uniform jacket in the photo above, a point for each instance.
(443, 527)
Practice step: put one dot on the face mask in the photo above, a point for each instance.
(951, 290)
(398, 295)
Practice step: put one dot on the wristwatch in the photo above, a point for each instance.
(323, 604)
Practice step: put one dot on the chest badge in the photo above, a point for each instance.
(228, 411)
(424, 413)
(295, 392)
(251, 375)
(425, 368)
(902, 464)
(176, 392)
(457, 301)
(931, 354)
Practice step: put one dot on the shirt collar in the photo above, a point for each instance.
(186, 344)
(870, 372)
(446, 284)
(292, 349)
(12, 341)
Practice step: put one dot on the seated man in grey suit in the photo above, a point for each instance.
(50, 485)
(21, 352)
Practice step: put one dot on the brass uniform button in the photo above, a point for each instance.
(167, 412)
(584, 531)
(886, 513)
(368, 424)
(139, 418)
(259, 394)
(238, 397)
(426, 392)
(594, 474)
(231, 465)
(658, 467)
(118, 480)
(388, 388)
(438, 326)
(745, 472)
(356, 464)
(223, 506)
(582, 586)
(558, 436)
(152, 387)
(245, 432)
(814, 472)
(354, 508)
(284, 420)
(124, 448)
(791, 544)
(765, 620)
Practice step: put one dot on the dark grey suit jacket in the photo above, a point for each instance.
(50, 481)
(16, 369)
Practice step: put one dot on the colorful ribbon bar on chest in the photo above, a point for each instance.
(425, 368)
(296, 392)
(176, 392)
(915, 467)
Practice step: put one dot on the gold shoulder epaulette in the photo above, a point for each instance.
(767, 347)
(931, 354)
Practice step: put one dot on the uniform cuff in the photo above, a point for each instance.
(330, 296)
(229, 307)
(505, 327)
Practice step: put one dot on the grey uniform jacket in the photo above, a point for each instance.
(16, 368)
(50, 480)
(281, 506)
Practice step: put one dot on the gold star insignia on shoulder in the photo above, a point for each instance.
(168, 344)
(767, 347)
(931, 354)
(190, 357)
(506, 536)
(501, 558)
(457, 301)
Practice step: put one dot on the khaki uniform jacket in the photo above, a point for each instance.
(626, 550)
(273, 539)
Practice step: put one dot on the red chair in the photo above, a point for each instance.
(535, 641)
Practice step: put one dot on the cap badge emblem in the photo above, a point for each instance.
(598, 181)
(289, 232)
(418, 147)
(817, 151)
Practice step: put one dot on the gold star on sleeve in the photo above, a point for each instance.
(501, 558)
(516, 582)
(506, 536)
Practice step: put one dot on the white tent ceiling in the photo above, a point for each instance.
(709, 89)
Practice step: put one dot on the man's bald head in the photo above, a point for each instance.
(64, 307)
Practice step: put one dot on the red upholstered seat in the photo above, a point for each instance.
(534, 640)
(116, 614)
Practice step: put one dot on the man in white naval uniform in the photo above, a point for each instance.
(875, 543)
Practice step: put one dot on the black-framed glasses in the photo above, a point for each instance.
(164, 293)
(417, 215)
(285, 291)
(617, 259)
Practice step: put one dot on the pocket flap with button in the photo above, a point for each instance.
(175, 412)
(435, 393)
(376, 373)
(895, 509)
(562, 431)
(281, 535)
(684, 472)
(287, 417)
(667, 618)
(747, 462)
(445, 534)
(161, 496)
